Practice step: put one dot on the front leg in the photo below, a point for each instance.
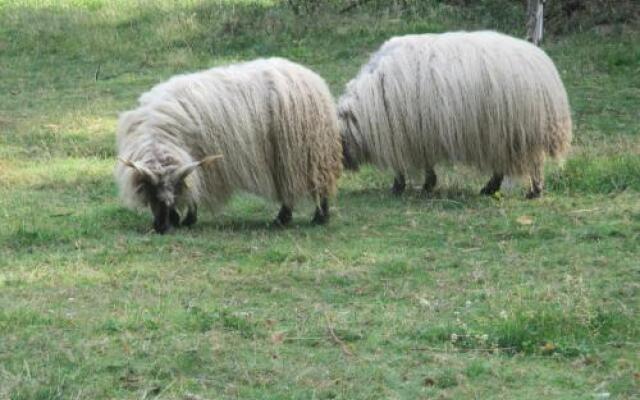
(192, 216)
(430, 180)
(284, 216)
(399, 184)
(493, 185)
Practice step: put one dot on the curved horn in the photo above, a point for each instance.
(184, 171)
(141, 169)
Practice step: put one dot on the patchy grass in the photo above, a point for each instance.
(451, 296)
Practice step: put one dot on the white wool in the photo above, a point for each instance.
(482, 99)
(272, 120)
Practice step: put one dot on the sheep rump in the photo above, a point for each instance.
(272, 120)
(482, 99)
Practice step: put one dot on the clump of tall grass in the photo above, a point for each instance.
(592, 174)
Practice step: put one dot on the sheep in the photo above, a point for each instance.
(266, 127)
(482, 99)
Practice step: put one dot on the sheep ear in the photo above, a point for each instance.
(142, 170)
(184, 171)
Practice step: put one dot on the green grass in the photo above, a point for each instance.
(453, 296)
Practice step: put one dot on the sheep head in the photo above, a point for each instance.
(352, 154)
(165, 190)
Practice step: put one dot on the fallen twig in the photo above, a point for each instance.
(584, 210)
(459, 350)
(447, 201)
(64, 214)
(336, 339)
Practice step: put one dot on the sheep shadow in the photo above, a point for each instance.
(229, 224)
(449, 197)
(245, 225)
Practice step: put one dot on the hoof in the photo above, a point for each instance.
(493, 185)
(284, 217)
(320, 219)
(399, 185)
(429, 194)
(533, 195)
(190, 220)
(430, 181)
(162, 229)
(321, 215)
(488, 191)
(277, 224)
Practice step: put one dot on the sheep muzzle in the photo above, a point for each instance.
(161, 222)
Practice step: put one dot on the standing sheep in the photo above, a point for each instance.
(481, 98)
(266, 127)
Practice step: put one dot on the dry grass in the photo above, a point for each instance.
(542, 296)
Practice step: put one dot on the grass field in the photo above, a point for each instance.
(450, 297)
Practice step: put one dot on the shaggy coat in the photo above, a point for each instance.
(272, 121)
(481, 98)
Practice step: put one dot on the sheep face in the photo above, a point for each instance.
(352, 152)
(164, 190)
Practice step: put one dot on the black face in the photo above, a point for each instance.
(164, 189)
(347, 159)
(350, 123)
(161, 222)
(160, 198)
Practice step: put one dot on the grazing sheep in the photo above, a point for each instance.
(481, 98)
(266, 127)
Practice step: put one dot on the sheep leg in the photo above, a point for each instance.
(493, 185)
(430, 180)
(537, 182)
(321, 216)
(284, 216)
(174, 217)
(399, 184)
(192, 216)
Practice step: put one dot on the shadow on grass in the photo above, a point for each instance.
(446, 197)
(141, 223)
(258, 225)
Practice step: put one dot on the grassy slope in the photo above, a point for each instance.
(542, 296)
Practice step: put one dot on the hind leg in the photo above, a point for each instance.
(399, 184)
(321, 215)
(537, 182)
(493, 185)
(284, 216)
(430, 180)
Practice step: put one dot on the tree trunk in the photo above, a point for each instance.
(535, 17)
